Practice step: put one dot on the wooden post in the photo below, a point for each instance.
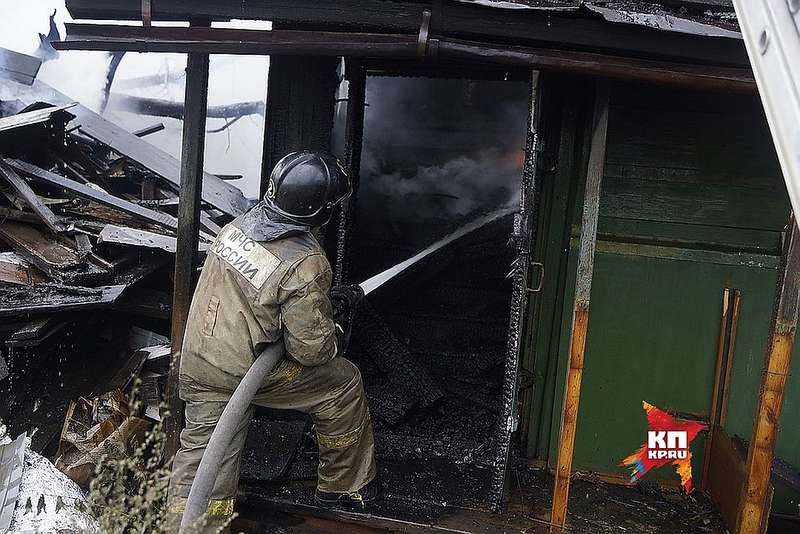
(192, 152)
(580, 313)
(729, 321)
(354, 132)
(754, 512)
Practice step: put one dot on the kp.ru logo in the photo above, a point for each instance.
(668, 442)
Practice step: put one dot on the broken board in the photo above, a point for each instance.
(51, 298)
(217, 193)
(59, 261)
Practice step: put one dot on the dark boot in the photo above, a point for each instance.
(354, 500)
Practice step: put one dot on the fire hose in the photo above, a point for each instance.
(239, 403)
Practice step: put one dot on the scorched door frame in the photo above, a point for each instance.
(523, 235)
(524, 239)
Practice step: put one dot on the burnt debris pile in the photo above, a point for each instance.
(87, 242)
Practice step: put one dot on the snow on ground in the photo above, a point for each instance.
(49, 502)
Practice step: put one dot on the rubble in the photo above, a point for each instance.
(98, 430)
(87, 209)
(87, 244)
(61, 190)
(406, 373)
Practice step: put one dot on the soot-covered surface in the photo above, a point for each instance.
(451, 315)
(430, 344)
(596, 507)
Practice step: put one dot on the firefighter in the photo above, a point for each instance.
(266, 280)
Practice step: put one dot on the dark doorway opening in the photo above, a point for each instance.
(432, 345)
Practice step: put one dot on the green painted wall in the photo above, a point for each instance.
(692, 202)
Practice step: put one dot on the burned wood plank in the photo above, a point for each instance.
(153, 128)
(580, 313)
(84, 191)
(15, 270)
(223, 196)
(12, 214)
(406, 372)
(756, 493)
(523, 236)
(217, 193)
(84, 245)
(31, 198)
(235, 41)
(36, 116)
(590, 63)
(142, 238)
(52, 298)
(208, 223)
(38, 331)
(354, 133)
(52, 256)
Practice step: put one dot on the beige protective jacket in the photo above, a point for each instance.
(249, 294)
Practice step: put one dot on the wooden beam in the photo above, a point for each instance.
(191, 190)
(594, 64)
(163, 220)
(754, 510)
(580, 312)
(235, 41)
(403, 46)
(31, 198)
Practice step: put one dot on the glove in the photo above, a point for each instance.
(344, 300)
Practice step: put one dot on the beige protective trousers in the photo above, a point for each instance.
(331, 393)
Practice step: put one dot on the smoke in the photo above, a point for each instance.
(438, 152)
(454, 189)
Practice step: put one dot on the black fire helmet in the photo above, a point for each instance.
(305, 186)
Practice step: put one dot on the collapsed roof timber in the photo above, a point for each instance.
(645, 191)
